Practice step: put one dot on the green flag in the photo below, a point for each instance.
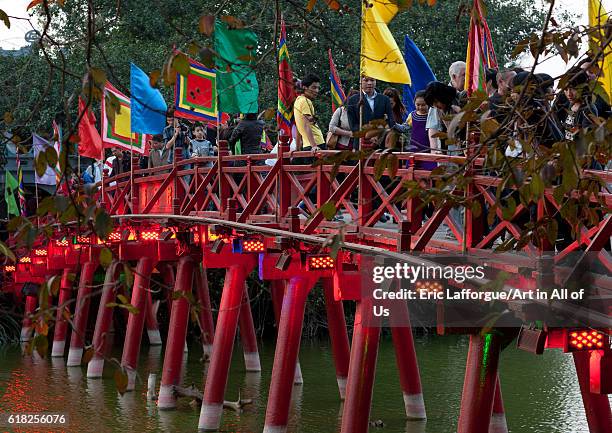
(10, 186)
(236, 82)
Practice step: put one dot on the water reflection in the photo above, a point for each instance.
(541, 398)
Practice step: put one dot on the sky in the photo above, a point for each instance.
(14, 38)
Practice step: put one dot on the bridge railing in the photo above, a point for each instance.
(243, 188)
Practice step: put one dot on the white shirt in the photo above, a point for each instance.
(370, 99)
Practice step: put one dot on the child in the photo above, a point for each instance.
(200, 146)
(419, 140)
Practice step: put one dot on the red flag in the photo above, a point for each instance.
(286, 88)
(90, 144)
(480, 53)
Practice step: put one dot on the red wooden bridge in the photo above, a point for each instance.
(234, 213)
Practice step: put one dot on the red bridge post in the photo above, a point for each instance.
(61, 325)
(278, 291)
(247, 334)
(81, 313)
(406, 359)
(479, 384)
(26, 328)
(205, 314)
(338, 336)
(135, 326)
(177, 333)
(286, 353)
(151, 321)
(227, 323)
(498, 418)
(362, 369)
(104, 320)
(596, 406)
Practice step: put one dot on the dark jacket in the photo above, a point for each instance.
(249, 133)
(157, 159)
(382, 107)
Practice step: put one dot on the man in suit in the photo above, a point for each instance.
(375, 106)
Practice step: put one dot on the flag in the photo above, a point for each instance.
(90, 142)
(39, 144)
(10, 186)
(20, 190)
(420, 72)
(195, 95)
(337, 94)
(265, 143)
(236, 82)
(118, 132)
(148, 108)
(380, 56)
(286, 87)
(480, 53)
(598, 19)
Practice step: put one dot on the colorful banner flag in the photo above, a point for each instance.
(195, 95)
(381, 58)
(10, 186)
(20, 190)
(119, 133)
(420, 72)
(480, 52)
(90, 142)
(598, 18)
(337, 94)
(39, 144)
(286, 86)
(236, 81)
(148, 108)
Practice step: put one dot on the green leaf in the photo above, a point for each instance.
(207, 25)
(379, 167)
(328, 210)
(121, 381)
(87, 355)
(41, 344)
(509, 209)
(181, 64)
(123, 299)
(40, 164)
(112, 106)
(476, 208)
(129, 275)
(154, 77)
(392, 165)
(132, 309)
(4, 18)
(103, 224)
(537, 186)
(54, 284)
(6, 251)
(106, 257)
(99, 76)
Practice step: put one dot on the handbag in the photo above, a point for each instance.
(332, 139)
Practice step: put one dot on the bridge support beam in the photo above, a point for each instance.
(207, 325)
(596, 406)
(286, 353)
(81, 313)
(177, 333)
(247, 334)
(151, 321)
(278, 291)
(104, 320)
(135, 326)
(406, 359)
(218, 371)
(479, 384)
(362, 369)
(337, 335)
(61, 325)
(498, 418)
(26, 327)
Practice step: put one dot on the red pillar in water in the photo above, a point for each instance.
(362, 369)
(247, 334)
(596, 406)
(177, 332)
(81, 313)
(26, 328)
(61, 325)
(104, 320)
(135, 326)
(278, 291)
(286, 353)
(151, 321)
(225, 332)
(338, 336)
(498, 418)
(406, 360)
(479, 384)
(207, 325)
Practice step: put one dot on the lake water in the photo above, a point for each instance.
(541, 393)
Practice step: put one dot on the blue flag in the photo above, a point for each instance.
(147, 105)
(420, 72)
